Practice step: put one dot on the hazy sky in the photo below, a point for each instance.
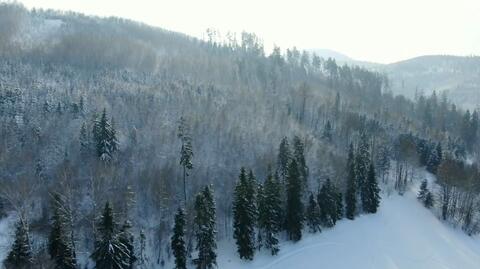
(374, 30)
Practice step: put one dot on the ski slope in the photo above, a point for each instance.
(402, 235)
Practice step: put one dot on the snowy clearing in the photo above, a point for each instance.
(403, 235)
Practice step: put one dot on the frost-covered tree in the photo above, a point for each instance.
(270, 213)
(186, 152)
(205, 232)
(110, 252)
(294, 212)
(313, 215)
(60, 248)
(371, 192)
(284, 158)
(244, 215)
(104, 134)
(20, 256)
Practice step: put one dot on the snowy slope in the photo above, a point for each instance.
(403, 235)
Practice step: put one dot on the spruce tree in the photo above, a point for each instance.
(186, 152)
(328, 205)
(244, 215)
(270, 217)
(59, 246)
(299, 155)
(178, 241)
(104, 133)
(362, 163)
(205, 232)
(110, 252)
(283, 159)
(294, 212)
(422, 194)
(84, 141)
(20, 256)
(313, 215)
(351, 193)
(371, 193)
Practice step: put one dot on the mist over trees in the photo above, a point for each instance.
(108, 127)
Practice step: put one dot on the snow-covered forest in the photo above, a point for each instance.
(129, 146)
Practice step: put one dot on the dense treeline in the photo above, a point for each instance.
(146, 133)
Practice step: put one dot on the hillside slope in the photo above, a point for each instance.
(403, 234)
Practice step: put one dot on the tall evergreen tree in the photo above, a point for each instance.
(186, 152)
(283, 159)
(294, 212)
(178, 241)
(110, 252)
(244, 215)
(84, 141)
(106, 142)
(20, 256)
(205, 231)
(327, 202)
(371, 192)
(313, 215)
(299, 155)
(351, 193)
(270, 208)
(59, 246)
(362, 163)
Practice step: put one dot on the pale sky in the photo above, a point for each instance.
(373, 30)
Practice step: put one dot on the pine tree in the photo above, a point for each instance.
(20, 256)
(104, 134)
(327, 132)
(244, 215)
(371, 193)
(299, 155)
(270, 208)
(328, 205)
(362, 162)
(294, 212)
(351, 193)
(186, 152)
(283, 159)
(313, 215)
(422, 194)
(84, 141)
(110, 252)
(59, 246)
(205, 232)
(178, 241)
(337, 195)
(261, 213)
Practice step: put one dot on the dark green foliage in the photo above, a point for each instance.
(313, 215)
(362, 162)
(20, 256)
(245, 215)
(60, 247)
(329, 201)
(110, 252)
(270, 217)
(294, 213)
(205, 232)
(371, 192)
(299, 155)
(327, 132)
(178, 241)
(283, 159)
(351, 193)
(429, 200)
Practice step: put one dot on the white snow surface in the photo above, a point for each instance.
(402, 235)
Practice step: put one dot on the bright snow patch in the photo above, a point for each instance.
(402, 235)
